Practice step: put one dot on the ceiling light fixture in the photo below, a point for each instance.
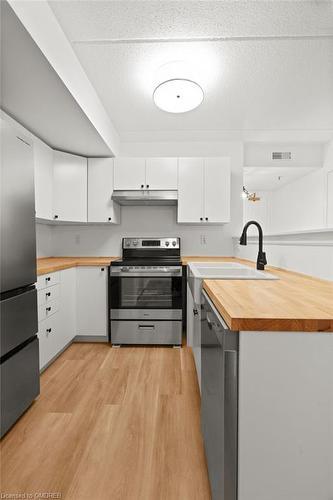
(178, 95)
(246, 195)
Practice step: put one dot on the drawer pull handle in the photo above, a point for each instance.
(48, 294)
(149, 328)
(48, 308)
(49, 330)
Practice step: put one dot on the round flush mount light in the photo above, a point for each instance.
(178, 95)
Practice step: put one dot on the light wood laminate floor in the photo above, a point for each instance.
(111, 424)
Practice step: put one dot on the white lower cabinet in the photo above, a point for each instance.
(56, 317)
(92, 303)
(193, 330)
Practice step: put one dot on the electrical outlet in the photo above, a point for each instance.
(203, 239)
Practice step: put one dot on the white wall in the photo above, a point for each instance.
(44, 246)
(159, 221)
(299, 206)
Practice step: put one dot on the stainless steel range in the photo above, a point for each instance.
(147, 292)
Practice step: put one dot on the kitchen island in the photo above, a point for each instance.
(285, 383)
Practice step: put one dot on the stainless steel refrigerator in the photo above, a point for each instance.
(19, 324)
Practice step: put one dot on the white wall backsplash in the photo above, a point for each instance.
(44, 247)
(141, 221)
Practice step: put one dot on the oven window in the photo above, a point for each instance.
(146, 292)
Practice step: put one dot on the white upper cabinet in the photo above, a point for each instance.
(217, 190)
(190, 190)
(43, 163)
(161, 173)
(204, 190)
(145, 173)
(69, 187)
(101, 208)
(129, 173)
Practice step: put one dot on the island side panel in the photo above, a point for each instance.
(285, 416)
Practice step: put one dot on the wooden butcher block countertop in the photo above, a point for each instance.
(52, 264)
(296, 302)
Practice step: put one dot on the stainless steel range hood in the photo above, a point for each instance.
(145, 197)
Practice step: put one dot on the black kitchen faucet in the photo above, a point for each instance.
(261, 259)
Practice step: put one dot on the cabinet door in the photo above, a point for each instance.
(100, 187)
(190, 190)
(217, 190)
(129, 173)
(330, 199)
(161, 173)
(92, 301)
(43, 163)
(48, 332)
(70, 187)
(67, 309)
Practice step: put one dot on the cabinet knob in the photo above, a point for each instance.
(142, 186)
(201, 218)
(195, 312)
(109, 218)
(102, 268)
(206, 218)
(147, 185)
(48, 279)
(56, 216)
(49, 330)
(48, 294)
(48, 308)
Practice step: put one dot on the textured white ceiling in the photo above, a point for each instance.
(277, 82)
(89, 20)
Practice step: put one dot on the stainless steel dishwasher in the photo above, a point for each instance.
(219, 401)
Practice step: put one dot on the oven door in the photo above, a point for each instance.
(145, 291)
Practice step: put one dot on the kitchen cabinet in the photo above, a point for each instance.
(190, 190)
(193, 331)
(145, 173)
(92, 302)
(330, 199)
(43, 165)
(69, 187)
(56, 313)
(217, 190)
(161, 173)
(101, 208)
(129, 173)
(204, 190)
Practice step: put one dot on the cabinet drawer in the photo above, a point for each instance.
(47, 280)
(49, 342)
(46, 310)
(48, 294)
(146, 332)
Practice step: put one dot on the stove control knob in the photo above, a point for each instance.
(125, 268)
(174, 243)
(167, 243)
(128, 243)
(135, 243)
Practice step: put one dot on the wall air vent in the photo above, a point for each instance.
(278, 155)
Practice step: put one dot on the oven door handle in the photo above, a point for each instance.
(149, 328)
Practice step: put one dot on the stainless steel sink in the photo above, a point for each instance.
(197, 271)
